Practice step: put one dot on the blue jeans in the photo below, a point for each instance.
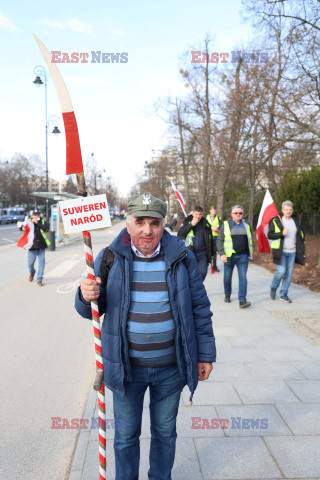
(32, 255)
(241, 261)
(285, 270)
(165, 389)
(202, 261)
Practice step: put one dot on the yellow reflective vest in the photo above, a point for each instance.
(228, 244)
(214, 224)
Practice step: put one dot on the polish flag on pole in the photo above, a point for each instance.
(27, 238)
(179, 198)
(268, 212)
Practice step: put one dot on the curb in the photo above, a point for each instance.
(83, 439)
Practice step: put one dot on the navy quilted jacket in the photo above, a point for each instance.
(189, 303)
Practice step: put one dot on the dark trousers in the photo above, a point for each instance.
(202, 260)
(215, 252)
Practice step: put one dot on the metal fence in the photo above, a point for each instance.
(311, 223)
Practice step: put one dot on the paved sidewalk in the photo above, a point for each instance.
(265, 386)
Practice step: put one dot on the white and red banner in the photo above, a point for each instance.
(268, 212)
(26, 241)
(85, 213)
(179, 198)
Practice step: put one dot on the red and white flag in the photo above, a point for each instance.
(268, 212)
(179, 198)
(27, 238)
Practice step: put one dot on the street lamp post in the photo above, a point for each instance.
(40, 71)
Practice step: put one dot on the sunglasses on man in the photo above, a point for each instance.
(237, 213)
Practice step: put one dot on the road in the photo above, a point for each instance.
(9, 234)
(46, 360)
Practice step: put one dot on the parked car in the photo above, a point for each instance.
(4, 219)
(18, 218)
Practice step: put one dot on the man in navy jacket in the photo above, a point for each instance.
(157, 333)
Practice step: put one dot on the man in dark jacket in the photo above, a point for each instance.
(234, 244)
(197, 232)
(40, 243)
(156, 333)
(288, 247)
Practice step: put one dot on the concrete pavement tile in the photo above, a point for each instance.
(274, 371)
(247, 341)
(186, 465)
(237, 355)
(195, 421)
(235, 458)
(239, 426)
(302, 419)
(265, 392)
(296, 456)
(307, 391)
(285, 340)
(281, 354)
(210, 393)
(310, 370)
(75, 475)
(226, 331)
(91, 466)
(258, 330)
(222, 342)
(311, 351)
(227, 372)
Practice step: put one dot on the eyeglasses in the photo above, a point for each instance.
(237, 213)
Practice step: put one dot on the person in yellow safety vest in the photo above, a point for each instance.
(288, 248)
(198, 238)
(40, 243)
(234, 245)
(215, 222)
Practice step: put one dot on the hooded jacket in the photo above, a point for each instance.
(194, 338)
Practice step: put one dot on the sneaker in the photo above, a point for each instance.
(244, 304)
(286, 299)
(31, 277)
(39, 282)
(273, 293)
(227, 299)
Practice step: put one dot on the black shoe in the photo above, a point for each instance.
(286, 299)
(227, 299)
(273, 293)
(244, 304)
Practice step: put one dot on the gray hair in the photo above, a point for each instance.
(236, 206)
(287, 203)
(129, 217)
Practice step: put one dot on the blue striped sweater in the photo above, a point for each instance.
(150, 325)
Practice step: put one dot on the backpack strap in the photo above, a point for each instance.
(106, 265)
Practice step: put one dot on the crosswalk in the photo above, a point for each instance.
(62, 269)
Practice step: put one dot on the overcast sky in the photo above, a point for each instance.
(113, 103)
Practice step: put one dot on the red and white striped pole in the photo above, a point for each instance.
(99, 360)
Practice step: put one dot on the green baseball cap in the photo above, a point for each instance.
(147, 206)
